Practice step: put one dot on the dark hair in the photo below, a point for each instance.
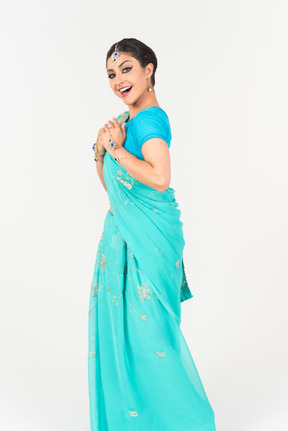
(138, 50)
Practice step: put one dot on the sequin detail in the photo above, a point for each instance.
(133, 413)
(91, 354)
(161, 354)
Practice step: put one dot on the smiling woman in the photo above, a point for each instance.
(141, 373)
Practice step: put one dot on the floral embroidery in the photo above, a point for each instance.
(184, 283)
(95, 288)
(161, 354)
(116, 241)
(102, 262)
(133, 413)
(177, 264)
(125, 183)
(91, 354)
(130, 254)
(131, 176)
(119, 172)
(116, 299)
(144, 292)
(143, 317)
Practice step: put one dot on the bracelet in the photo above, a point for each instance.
(96, 157)
(117, 158)
(112, 145)
(123, 157)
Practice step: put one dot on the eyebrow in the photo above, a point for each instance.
(111, 70)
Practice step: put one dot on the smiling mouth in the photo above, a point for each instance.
(125, 92)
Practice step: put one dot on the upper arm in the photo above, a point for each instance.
(153, 135)
(156, 152)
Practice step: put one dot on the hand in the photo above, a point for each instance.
(101, 149)
(117, 132)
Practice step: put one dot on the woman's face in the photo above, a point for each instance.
(128, 73)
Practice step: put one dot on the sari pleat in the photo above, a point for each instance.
(141, 373)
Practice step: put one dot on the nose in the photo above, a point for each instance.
(119, 83)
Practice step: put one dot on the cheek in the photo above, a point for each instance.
(137, 81)
(112, 85)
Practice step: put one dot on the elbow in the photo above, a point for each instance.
(162, 184)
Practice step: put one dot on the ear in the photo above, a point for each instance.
(149, 69)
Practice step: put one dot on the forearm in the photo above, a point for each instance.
(140, 169)
(99, 168)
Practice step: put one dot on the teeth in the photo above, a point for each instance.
(123, 89)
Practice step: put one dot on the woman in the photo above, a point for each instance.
(141, 373)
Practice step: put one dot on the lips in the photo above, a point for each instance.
(125, 92)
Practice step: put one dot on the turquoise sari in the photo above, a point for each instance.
(140, 371)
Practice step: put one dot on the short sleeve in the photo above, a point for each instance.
(150, 124)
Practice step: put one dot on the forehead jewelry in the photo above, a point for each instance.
(115, 54)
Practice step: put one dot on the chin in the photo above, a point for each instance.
(129, 102)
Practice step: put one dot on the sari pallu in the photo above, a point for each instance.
(141, 373)
(150, 223)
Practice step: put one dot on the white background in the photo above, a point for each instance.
(222, 79)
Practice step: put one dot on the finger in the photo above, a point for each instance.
(111, 123)
(116, 124)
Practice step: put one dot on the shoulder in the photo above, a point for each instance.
(151, 123)
(152, 114)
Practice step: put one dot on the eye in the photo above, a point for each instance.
(127, 68)
(111, 76)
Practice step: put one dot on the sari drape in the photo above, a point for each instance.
(141, 373)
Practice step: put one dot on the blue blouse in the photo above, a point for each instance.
(151, 122)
